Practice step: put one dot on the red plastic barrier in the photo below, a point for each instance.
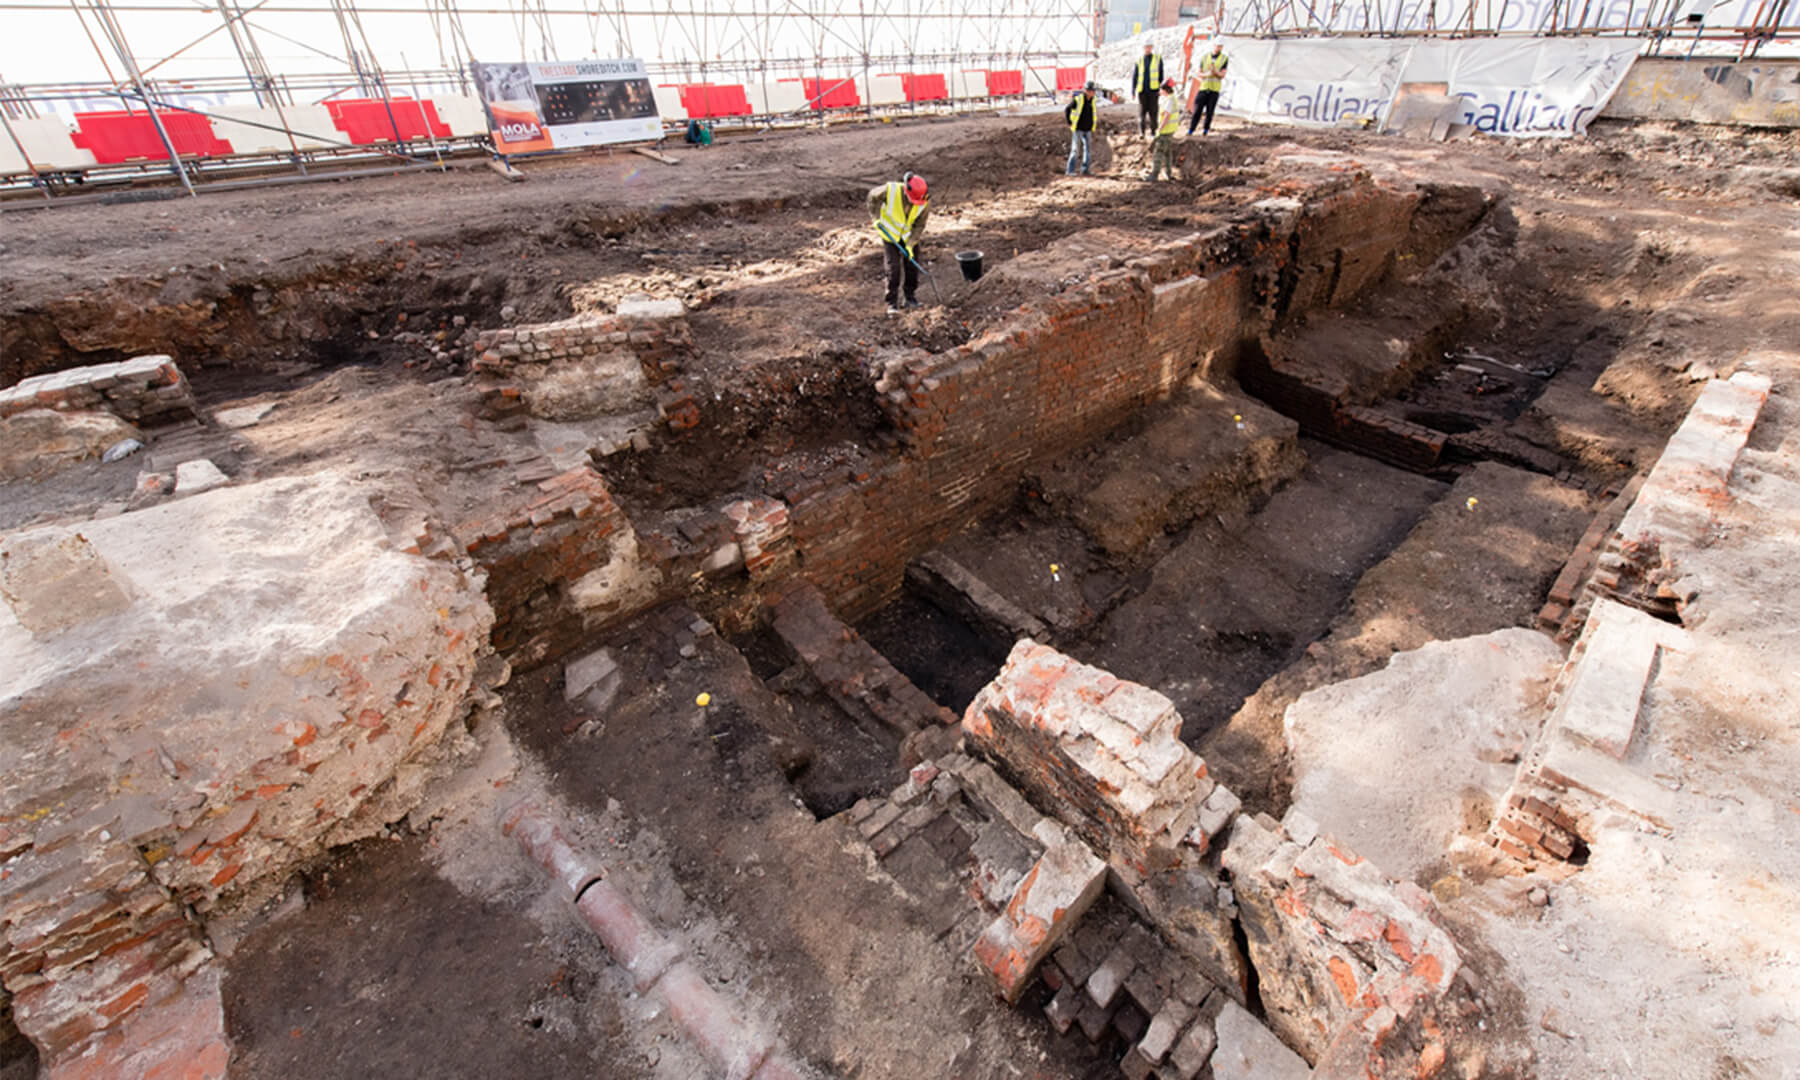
(365, 120)
(1071, 78)
(703, 101)
(925, 87)
(118, 136)
(831, 93)
(1005, 83)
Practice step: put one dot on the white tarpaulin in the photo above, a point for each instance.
(1532, 86)
(1313, 81)
(1522, 87)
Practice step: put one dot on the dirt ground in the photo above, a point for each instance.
(1627, 266)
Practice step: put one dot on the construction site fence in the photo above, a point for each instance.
(81, 138)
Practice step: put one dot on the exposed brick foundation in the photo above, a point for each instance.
(857, 677)
(1068, 368)
(146, 389)
(1344, 953)
(606, 363)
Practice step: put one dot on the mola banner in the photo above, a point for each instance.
(557, 105)
(1525, 87)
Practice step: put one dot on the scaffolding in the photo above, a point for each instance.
(279, 91)
(270, 66)
(1743, 27)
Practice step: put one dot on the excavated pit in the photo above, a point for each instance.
(1232, 441)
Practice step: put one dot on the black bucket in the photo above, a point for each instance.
(970, 262)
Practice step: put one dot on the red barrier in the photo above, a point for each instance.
(1005, 83)
(118, 136)
(1071, 78)
(830, 93)
(925, 87)
(365, 120)
(703, 101)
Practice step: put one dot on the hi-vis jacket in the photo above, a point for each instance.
(1148, 75)
(1212, 71)
(1171, 115)
(898, 221)
(1080, 113)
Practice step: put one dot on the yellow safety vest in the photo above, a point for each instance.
(1148, 74)
(1084, 106)
(897, 217)
(1171, 117)
(1212, 71)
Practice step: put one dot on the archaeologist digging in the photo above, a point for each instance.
(899, 209)
(1162, 143)
(1210, 80)
(1146, 78)
(1081, 113)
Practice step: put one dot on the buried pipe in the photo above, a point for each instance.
(739, 1049)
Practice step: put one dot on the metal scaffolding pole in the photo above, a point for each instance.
(110, 26)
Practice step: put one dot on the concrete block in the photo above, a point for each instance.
(54, 580)
(1165, 1027)
(593, 680)
(1601, 704)
(1246, 1050)
(1104, 984)
(984, 784)
(192, 477)
(1065, 1007)
(644, 307)
(1195, 1048)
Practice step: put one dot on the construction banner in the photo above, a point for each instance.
(532, 107)
(1522, 87)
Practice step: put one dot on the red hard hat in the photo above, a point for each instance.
(915, 187)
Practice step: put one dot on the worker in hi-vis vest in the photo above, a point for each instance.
(1146, 83)
(899, 209)
(1210, 80)
(1081, 114)
(1162, 145)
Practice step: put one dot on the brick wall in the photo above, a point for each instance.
(1105, 757)
(967, 422)
(143, 389)
(1344, 952)
(554, 532)
(1067, 369)
(636, 359)
(562, 559)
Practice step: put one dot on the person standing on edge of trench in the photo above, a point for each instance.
(1081, 114)
(899, 209)
(1211, 80)
(1162, 145)
(1145, 80)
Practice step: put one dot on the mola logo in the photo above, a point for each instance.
(520, 132)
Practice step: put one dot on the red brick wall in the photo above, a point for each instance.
(1067, 369)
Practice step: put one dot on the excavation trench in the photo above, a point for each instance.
(736, 554)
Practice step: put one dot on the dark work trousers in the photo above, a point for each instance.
(899, 268)
(1204, 102)
(1147, 106)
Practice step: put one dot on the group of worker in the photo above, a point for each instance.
(900, 207)
(1159, 111)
